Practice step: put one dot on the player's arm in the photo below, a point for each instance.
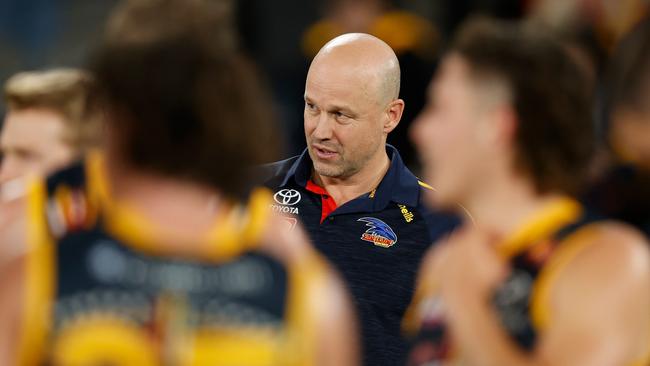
(598, 310)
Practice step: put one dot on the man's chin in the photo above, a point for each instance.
(338, 168)
(327, 171)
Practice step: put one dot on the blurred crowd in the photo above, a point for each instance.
(282, 37)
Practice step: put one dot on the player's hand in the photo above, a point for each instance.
(468, 267)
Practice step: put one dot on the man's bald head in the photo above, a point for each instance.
(367, 56)
(351, 105)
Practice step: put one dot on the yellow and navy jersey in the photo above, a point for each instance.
(99, 291)
(536, 254)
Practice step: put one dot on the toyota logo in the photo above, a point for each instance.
(287, 197)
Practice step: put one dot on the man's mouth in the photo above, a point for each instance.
(323, 153)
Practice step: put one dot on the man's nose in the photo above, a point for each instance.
(324, 128)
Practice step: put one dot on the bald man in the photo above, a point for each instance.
(361, 206)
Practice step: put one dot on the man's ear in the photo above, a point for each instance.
(394, 113)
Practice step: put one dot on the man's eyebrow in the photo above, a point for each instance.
(341, 108)
(336, 107)
(308, 99)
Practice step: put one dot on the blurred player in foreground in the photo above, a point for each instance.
(45, 127)
(536, 281)
(146, 254)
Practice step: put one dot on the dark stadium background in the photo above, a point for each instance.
(36, 34)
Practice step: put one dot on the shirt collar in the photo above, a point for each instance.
(398, 185)
(300, 170)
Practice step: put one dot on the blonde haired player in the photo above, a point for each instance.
(46, 126)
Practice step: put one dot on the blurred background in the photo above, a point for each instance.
(282, 36)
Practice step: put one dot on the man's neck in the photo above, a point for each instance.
(503, 205)
(365, 180)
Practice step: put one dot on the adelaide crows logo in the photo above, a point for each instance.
(379, 232)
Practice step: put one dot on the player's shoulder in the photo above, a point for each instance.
(616, 240)
(614, 249)
(609, 237)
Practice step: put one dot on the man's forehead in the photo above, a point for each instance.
(344, 85)
(333, 102)
(333, 68)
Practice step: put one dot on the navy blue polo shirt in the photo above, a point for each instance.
(376, 242)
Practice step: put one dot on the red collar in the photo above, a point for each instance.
(327, 202)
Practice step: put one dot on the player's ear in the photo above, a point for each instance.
(394, 112)
(506, 119)
(500, 125)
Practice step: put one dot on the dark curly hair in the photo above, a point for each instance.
(183, 100)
